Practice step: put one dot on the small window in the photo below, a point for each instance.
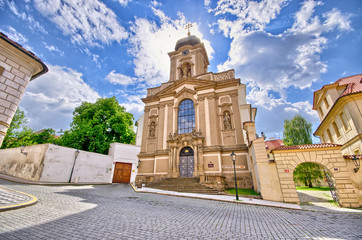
(344, 121)
(329, 136)
(321, 111)
(326, 103)
(356, 151)
(336, 130)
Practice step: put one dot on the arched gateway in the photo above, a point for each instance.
(187, 162)
(287, 158)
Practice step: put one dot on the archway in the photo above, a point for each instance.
(287, 158)
(187, 162)
(315, 185)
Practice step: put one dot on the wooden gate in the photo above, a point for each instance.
(122, 172)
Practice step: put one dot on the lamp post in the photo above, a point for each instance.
(233, 157)
(356, 162)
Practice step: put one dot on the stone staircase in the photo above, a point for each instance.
(189, 185)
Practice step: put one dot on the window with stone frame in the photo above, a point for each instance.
(186, 116)
(344, 121)
(336, 130)
(329, 136)
(326, 103)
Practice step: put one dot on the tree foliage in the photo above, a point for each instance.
(19, 133)
(308, 173)
(297, 131)
(96, 125)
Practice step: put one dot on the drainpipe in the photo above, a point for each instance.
(75, 158)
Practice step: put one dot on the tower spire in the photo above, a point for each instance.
(188, 26)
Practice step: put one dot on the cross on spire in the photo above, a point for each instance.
(188, 26)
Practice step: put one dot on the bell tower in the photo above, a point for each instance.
(189, 58)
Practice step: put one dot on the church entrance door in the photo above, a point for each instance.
(187, 163)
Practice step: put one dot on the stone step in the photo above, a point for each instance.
(190, 185)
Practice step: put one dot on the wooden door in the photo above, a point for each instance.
(122, 172)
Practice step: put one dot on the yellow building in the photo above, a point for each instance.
(339, 106)
(193, 122)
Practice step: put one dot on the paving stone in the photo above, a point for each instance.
(117, 212)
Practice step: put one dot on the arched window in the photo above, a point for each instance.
(186, 116)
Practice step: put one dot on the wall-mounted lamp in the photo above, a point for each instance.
(139, 162)
(22, 148)
(356, 162)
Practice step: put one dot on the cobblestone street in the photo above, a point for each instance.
(117, 212)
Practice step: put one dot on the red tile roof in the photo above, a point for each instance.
(354, 84)
(306, 146)
(271, 144)
(352, 156)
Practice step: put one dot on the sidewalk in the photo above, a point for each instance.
(11, 199)
(243, 200)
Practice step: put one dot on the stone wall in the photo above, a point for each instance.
(329, 158)
(27, 164)
(56, 164)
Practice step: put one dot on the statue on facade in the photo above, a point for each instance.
(185, 70)
(227, 120)
(152, 130)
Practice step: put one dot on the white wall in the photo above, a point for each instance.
(58, 162)
(139, 132)
(92, 168)
(125, 153)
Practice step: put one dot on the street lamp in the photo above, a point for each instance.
(233, 157)
(356, 162)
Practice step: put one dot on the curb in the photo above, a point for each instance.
(213, 199)
(33, 200)
(241, 202)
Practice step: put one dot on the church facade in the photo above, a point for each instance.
(193, 122)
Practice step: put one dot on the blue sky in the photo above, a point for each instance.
(283, 50)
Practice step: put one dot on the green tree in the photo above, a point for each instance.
(308, 173)
(18, 133)
(45, 136)
(96, 125)
(298, 131)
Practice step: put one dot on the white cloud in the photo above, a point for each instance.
(124, 2)
(150, 44)
(15, 36)
(33, 25)
(254, 14)
(53, 48)
(86, 22)
(93, 56)
(270, 62)
(50, 100)
(118, 78)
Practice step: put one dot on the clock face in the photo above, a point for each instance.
(185, 52)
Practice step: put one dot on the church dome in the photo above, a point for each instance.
(191, 40)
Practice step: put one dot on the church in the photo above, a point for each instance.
(193, 122)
